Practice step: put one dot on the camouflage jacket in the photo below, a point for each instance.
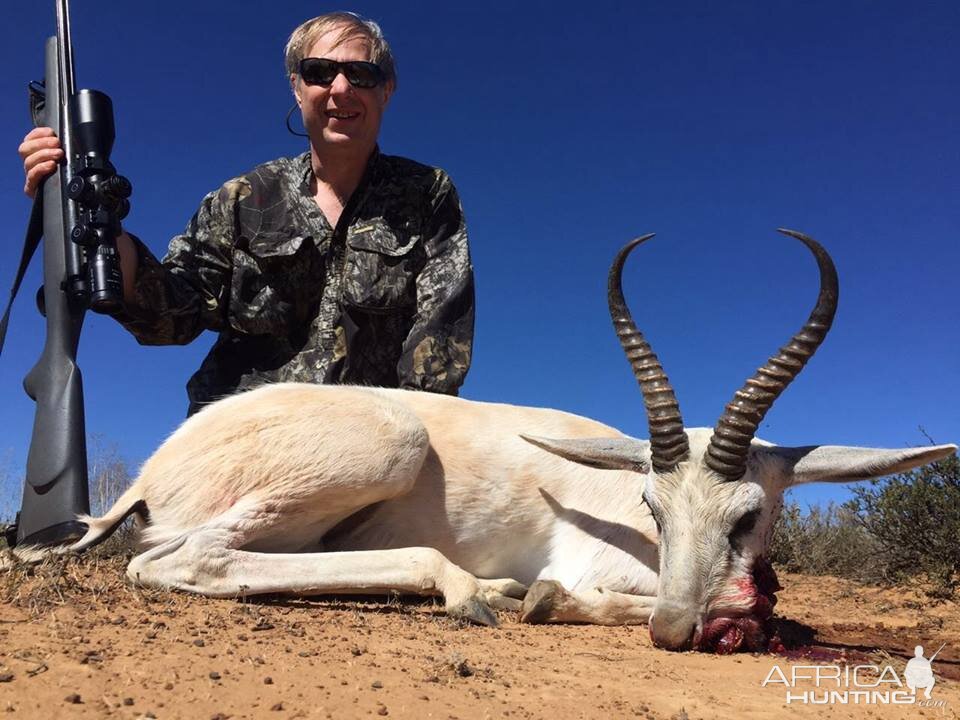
(385, 298)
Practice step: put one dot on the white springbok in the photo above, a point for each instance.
(307, 489)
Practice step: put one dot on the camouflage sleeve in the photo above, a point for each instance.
(184, 294)
(436, 353)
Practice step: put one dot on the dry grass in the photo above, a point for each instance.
(94, 580)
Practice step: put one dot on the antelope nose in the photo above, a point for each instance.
(673, 627)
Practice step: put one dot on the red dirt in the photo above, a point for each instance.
(76, 641)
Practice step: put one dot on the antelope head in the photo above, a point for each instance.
(716, 494)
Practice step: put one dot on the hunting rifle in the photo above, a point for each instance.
(77, 211)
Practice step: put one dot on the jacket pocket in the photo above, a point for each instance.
(380, 270)
(276, 285)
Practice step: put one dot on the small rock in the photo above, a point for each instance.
(262, 624)
(73, 698)
(6, 677)
(199, 642)
(219, 716)
(376, 684)
(151, 634)
(128, 701)
(168, 686)
(277, 706)
(382, 710)
(214, 675)
(268, 680)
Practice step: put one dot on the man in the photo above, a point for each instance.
(340, 265)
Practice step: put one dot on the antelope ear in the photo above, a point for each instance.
(602, 453)
(836, 463)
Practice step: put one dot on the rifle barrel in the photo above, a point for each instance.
(74, 281)
(65, 48)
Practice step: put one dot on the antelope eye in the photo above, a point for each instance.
(745, 525)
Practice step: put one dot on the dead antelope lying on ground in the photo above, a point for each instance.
(307, 489)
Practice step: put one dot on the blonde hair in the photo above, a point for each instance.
(351, 26)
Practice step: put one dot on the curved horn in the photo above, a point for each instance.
(730, 443)
(668, 441)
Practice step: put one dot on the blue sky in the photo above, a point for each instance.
(569, 129)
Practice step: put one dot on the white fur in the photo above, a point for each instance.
(313, 489)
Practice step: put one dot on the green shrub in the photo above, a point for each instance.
(895, 529)
(915, 519)
(825, 541)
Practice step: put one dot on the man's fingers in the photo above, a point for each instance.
(36, 174)
(39, 132)
(40, 152)
(38, 166)
(32, 145)
(41, 156)
(39, 171)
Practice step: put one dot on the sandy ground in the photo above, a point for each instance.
(76, 641)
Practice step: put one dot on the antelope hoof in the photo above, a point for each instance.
(476, 611)
(540, 601)
(502, 602)
(514, 589)
(503, 594)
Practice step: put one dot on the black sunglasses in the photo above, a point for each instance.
(320, 71)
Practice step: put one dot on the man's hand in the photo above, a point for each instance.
(40, 152)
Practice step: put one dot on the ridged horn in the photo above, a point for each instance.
(668, 441)
(730, 443)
